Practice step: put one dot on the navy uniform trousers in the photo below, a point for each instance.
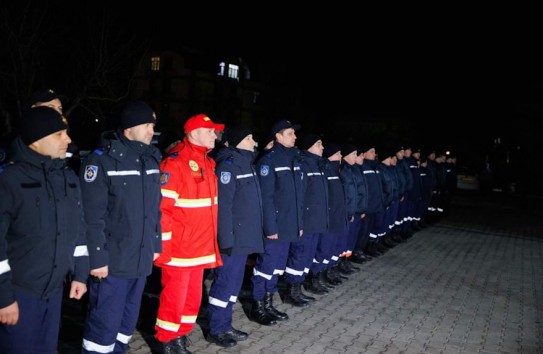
(114, 306)
(300, 257)
(340, 246)
(323, 255)
(353, 234)
(38, 318)
(268, 267)
(224, 291)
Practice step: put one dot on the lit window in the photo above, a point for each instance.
(155, 63)
(233, 71)
(221, 69)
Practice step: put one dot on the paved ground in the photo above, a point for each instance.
(472, 283)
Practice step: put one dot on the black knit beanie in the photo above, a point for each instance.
(136, 113)
(235, 135)
(347, 149)
(40, 122)
(330, 149)
(308, 140)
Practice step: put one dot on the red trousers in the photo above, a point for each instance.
(179, 302)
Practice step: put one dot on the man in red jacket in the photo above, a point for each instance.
(189, 230)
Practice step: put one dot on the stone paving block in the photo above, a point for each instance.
(298, 347)
(317, 347)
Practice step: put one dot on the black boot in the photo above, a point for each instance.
(221, 339)
(237, 335)
(388, 241)
(321, 280)
(272, 311)
(332, 277)
(381, 245)
(260, 315)
(176, 346)
(313, 286)
(358, 257)
(350, 265)
(372, 249)
(396, 237)
(337, 274)
(307, 297)
(343, 267)
(293, 295)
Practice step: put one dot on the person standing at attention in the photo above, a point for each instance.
(189, 231)
(42, 235)
(282, 195)
(121, 199)
(240, 232)
(313, 251)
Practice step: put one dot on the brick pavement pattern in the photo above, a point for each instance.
(471, 283)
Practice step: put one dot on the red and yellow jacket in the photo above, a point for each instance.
(189, 209)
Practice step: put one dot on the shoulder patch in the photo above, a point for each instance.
(225, 177)
(264, 170)
(164, 177)
(91, 172)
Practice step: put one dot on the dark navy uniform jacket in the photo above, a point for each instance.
(240, 202)
(355, 199)
(451, 176)
(431, 174)
(389, 183)
(406, 177)
(415, 193)
(375, 187)
(281, 184)
(401, 178)
(42, 230)
(337, 208)
(362, 191)
(315, 201)
(426, 183)
(121, 197)
(441, 176)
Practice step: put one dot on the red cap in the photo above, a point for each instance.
(201, 121)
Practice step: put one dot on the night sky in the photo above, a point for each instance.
(460, 79)
(431, 68)
(451, 74)
(452, 78)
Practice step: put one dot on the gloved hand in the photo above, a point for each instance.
(227, 251)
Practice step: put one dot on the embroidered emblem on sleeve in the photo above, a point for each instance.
(225, 177)
(91, 172)
(164, 177)
(264, 170)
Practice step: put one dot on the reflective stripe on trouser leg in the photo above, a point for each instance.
(114, 305)
(323, 255)
(224, 292)
(269, 265)
(300, 258)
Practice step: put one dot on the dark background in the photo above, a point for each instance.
(464, 79)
